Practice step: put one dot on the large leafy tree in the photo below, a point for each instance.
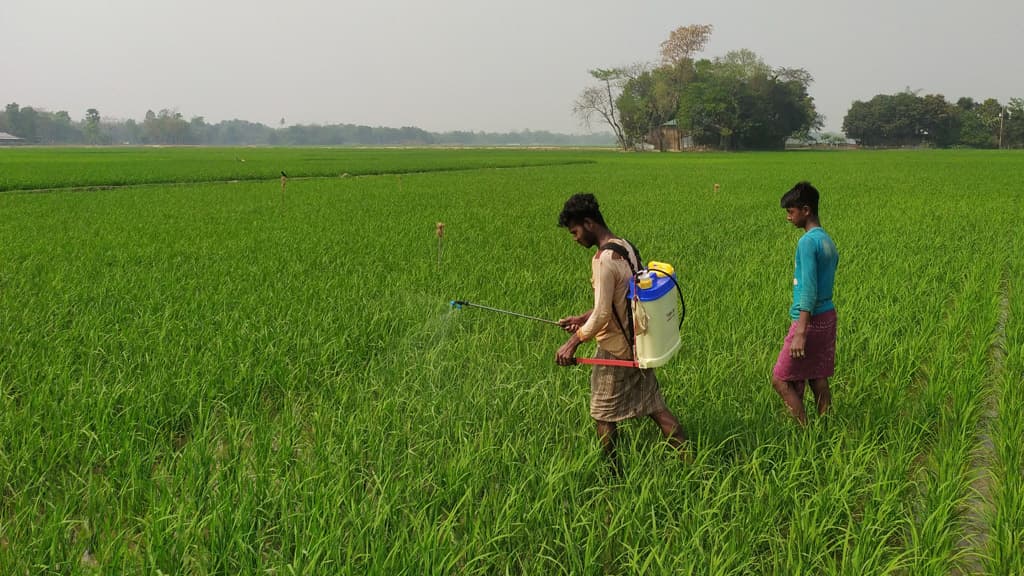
(886, 120)
(633, 99)
(1013, 124)
(980, 127)
(740, 102)
(652, 99)
(940, 120)
(907, 119)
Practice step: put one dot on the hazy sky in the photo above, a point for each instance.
(472, 64)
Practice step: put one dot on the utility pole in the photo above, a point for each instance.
(1002, 113)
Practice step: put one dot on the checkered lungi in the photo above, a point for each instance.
(619, 392)
(819, 359)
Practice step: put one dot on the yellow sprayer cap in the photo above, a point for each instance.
(645, 282)
(662, 269)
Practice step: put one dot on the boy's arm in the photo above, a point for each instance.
(806, 252)
(796, 346)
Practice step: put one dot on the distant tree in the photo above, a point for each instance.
(635, 104)
(739, 101)
(710, 107)
(28, 124)
(167, 127)
(21, 122)
(652, 99)
(150, 128)
(127, 132)
(92, 126)
(647, 97)
(64, 131)
(887, 120)
(907, 119)
(861, 123)
(197, 130)
(684, 43)
(965, 103)
(601, 99)
(1013, 127)
(742, 64)
(47, 127)
(901, 119)
(940, 121)
(980, 124)
(11, 117)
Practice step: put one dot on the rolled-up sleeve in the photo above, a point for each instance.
(604, 292)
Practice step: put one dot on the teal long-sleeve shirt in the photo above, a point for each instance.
(814, 273)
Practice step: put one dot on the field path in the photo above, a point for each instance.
(978, 507)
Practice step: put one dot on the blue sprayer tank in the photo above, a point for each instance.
(656, 319)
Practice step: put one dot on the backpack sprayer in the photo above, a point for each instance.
(652, 311)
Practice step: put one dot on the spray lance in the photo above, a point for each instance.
(655, 330)
(459, 304)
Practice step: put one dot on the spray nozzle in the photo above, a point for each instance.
(457, 304)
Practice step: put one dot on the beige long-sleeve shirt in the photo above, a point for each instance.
(610, 276)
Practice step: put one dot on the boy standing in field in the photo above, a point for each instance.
(809, 352)
(616, 392)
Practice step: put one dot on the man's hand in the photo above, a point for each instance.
(796, 346)
(573, 323)
(566, 355)
(570, 324)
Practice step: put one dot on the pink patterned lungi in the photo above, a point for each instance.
(819, 359)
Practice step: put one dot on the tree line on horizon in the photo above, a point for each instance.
(907, 119)
(169, 127)
(740, 102)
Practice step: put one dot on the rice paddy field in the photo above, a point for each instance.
(202, 373)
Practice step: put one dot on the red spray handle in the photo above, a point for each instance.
(608, 362)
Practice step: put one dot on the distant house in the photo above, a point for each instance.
(9, 139)
(669, 137)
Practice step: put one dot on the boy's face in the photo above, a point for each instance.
(798, 215)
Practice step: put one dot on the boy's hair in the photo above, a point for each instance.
(579, 207)
(803, 194)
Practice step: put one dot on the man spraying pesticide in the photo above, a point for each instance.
(619, 388)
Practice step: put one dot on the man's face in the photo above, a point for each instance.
(798, 215)
(582, 234)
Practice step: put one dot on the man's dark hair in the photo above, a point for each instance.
(579, 207)
(803, 194)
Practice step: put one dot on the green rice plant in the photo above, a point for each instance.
(210, 378)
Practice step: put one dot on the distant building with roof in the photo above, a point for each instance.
(668, 136)
(10, 139)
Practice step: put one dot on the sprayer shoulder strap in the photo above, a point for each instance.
(629, 258)
(634, 264)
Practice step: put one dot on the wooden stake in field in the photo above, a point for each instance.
(284, 181)
(716, 187)
(440, 242)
